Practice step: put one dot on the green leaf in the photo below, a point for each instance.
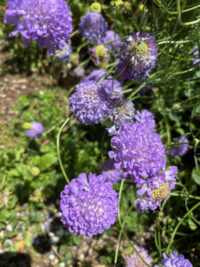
(13, 173)
(46, 161)
(196, 176)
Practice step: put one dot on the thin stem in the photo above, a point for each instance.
(122, 227)
(168, 130)
(138, 254)
(179, 223)
(179, 12)
(174, 42)
(179, 16)
(58, 150)
(119, 219)
(185, 195)
(120, 235)
(182, 72)
(120, 195)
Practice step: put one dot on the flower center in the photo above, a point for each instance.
(161, 192)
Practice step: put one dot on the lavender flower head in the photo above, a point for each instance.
(134, 261)
(175, 261)
(147, 118)
(181, 147)
(137, 151)
(137, 57)
(122, 112)
(47, 22)
(111, 86)
(90, 103)
(196, 56)
(111, 40)
(93, 26)
(108, 170)
(35, 131)
(88, 206)
(155, 189)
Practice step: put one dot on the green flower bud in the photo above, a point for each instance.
(26, 126)
(35, 171)
(96, 7)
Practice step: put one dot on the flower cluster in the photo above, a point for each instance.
(137, 151)
(134, 261)
(181, 147)
(93, 26)
(95, 97)
(88, 206)
(155, 189)
(140, 154)
(89, 103)
(36, 130)
(34, 21)
(137, 57)
(111, 86)
(175, 261)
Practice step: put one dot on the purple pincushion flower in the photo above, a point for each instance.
(155, 189)
(137, 151)
(147, 118)
(175, 261)
(111, 86)
(90, 103)
(137, 57)
(134, 261)
(181, 147)
(47, 22)
(88, 206)
(108, 170)
(93, 26)
(122, 112)
(36, 130)
(111, 40)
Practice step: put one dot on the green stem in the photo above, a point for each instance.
(179, 16)
(179, 223)
(174, 42)
(135, 250)
(122, 228)
(186, 196)
(168, 129)
(120, 235)
(181, 72)
(175, 12)
(58, 150)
